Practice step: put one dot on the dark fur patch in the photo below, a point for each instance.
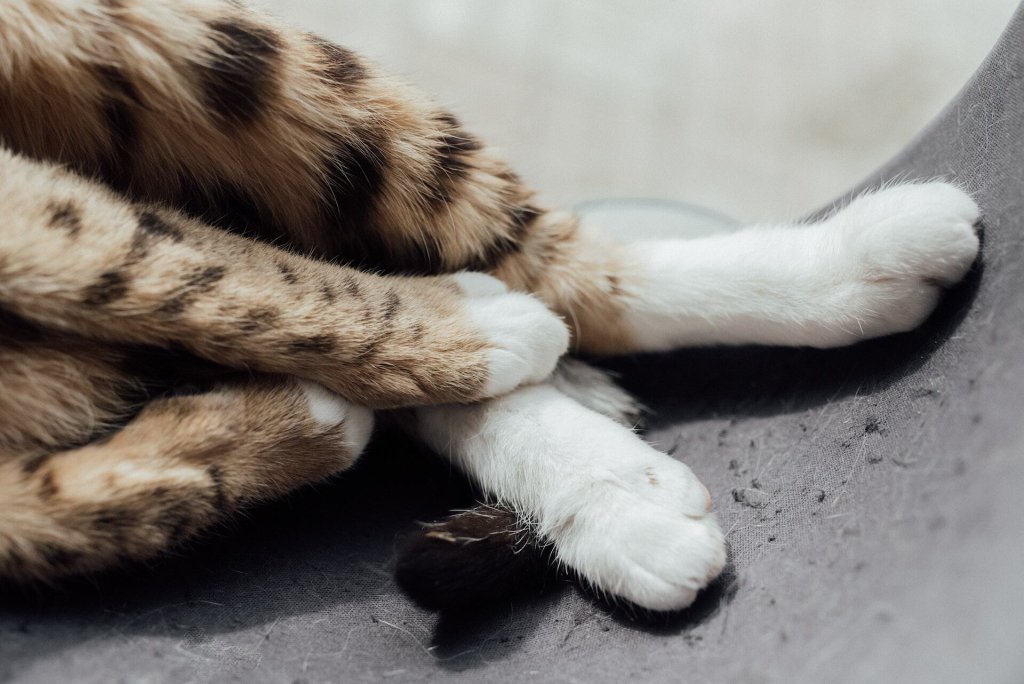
(352, 287)
(193, 285)
(258, 320)
(121, 124)
(448, 120)
(225, 205)
(179, 518)
(287, 272)
(33, 464)
(241, 76)
(521, 218)
(458, 142)
(510, 177)
(328, 294)
(114, 523)
(175, 510)
(355, 175)
(111, 286)
(220, 497)
(451, 159)
(615, 286)
(58, 557)
(314, 344)
(203, 280)
(149, 230)
(470, 560)
(64, 216)
(391, 304)
(48, 486)
(493, 253)
(341, 66)
(153, 226)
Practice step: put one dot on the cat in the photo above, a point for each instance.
(195, 193)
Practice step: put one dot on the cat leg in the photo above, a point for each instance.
(76, 257)
(489, 551)
(253, 125)
(874, 268)
(633, 522)
(242, 120)
(182, 465)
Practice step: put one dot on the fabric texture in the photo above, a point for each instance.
(871, 498)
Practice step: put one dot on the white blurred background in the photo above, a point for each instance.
(761, 109)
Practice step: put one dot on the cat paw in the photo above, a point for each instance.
(526, 337)
(645, 533)
(898, 249)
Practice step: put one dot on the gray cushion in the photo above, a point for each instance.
(884, 541)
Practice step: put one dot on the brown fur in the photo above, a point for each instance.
(132, 134)
(183, 464)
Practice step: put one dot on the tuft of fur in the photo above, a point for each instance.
(476, 557)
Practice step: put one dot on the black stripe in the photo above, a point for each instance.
(314, 344)
(241, 76)
(340, 66)
(257, 320)
(122, 127)
(150, 229)
(111, 286)
(194, 284)
(521, 218)
(287, 272)
(355, 175)
(228, 206)
(451, 163)
(64, 216)
(391, 303)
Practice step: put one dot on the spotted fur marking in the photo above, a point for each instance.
(240, 78)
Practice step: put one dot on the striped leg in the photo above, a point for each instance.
(182, 465)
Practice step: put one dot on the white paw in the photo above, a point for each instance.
(643, 532)
(897, 249)
(527, 337)
(630, 520)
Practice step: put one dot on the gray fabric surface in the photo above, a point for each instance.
(889, 547)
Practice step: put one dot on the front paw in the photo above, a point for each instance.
(645, 534)
(526, 338)
(897, 250)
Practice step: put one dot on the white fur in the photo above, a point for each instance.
(632, 521)
(595, 389)
(527, 337)
(874, 268)
(329, 410)
(476, 284)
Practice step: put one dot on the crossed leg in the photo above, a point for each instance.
(182, 465)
